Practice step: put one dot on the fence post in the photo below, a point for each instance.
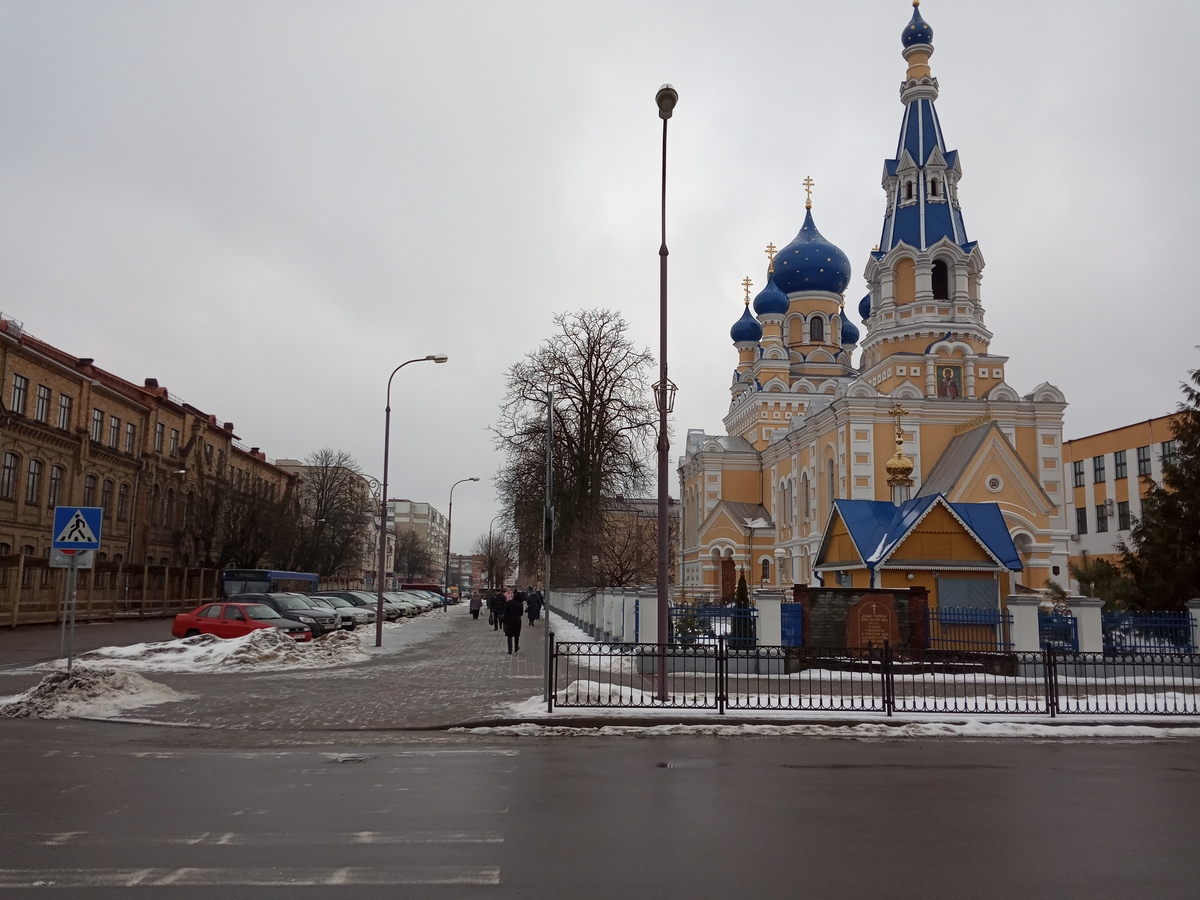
(551, 669)
(722, 675)
(1193, 608)
(885, 668)
(1051, 676)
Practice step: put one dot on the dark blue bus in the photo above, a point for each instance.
(266, 581)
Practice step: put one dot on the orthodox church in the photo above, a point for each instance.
(920, 466)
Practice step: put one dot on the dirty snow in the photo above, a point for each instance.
(85, 691)
(267, 648)
(977, 730)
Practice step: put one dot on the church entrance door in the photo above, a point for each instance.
(728, 579)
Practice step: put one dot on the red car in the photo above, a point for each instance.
(230, 620)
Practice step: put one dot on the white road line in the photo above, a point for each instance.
(278, 838)
(24, 879)
(457, 753)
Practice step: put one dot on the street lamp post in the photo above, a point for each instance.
(449, 527)
(387, 432)
(664, 396)
(491, 553)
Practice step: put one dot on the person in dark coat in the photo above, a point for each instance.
(513, 610)
(496, 608)
(534, 604)
(476, 605)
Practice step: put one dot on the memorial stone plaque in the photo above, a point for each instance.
(871, 621)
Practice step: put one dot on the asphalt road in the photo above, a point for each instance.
(93, 809)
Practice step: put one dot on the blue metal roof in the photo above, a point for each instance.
(927, 221)
(746, 328)
(878, 527)
(811, 263)
(771, 300)
(917, 31)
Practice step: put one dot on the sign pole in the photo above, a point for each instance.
(72, 569)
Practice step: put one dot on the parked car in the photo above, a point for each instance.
(407, 604)
(296, 607)
(355, 601)
(230, 620)
(424, 598)
(352, 616)
(363, 600)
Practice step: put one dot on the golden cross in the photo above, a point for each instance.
(771, 251)
(808, 186)
(747, 284)
(897, 410)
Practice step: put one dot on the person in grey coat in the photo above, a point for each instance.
(513, 610)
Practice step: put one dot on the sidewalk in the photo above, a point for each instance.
(440, 669)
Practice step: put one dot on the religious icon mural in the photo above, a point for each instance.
(949, 381)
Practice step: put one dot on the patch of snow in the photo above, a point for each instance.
(98, 693)
(266, 648)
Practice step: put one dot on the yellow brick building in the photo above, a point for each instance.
(807, 427)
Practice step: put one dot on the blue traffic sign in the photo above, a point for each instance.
(76, 528)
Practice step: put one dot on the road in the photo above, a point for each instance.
(89, 809)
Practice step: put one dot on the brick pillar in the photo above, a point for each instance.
(918, 621)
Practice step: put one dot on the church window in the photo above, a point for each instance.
(933, 187)
(832, 484)
(804, 491)
(941, 280)
(908, 190)
(766, 571)
(816, 329)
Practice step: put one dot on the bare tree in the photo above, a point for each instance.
(413, 556)
(331, 534)
(603, 435)
(627, 553)
(499, 552)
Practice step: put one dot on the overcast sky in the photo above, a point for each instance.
(268, 206)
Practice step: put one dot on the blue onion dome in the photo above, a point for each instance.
(917, 30)
(811, 263)
(771, 301)
(849, 331)
(864, 308)
(746, 328)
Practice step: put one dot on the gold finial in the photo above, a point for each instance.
(808, 186)
(896, 412)
(899, 467)
(747, 284)
(875, 249)
(771, 251)
(916, 2)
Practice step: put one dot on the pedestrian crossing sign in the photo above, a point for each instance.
(76, 528)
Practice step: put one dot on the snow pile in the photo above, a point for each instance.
(266, 648)
(87, 692)
(864, 731)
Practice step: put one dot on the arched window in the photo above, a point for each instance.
(57, 473)
(941, 280)
(832, 481)
(766, 571)
(33, 483)
(908, 193)
(8, 481)
(89, 491)
(816, 329)
(804, 491)
(122, 503)
(933, 187)
(106, 494)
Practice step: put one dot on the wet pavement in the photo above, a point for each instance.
(437, 670)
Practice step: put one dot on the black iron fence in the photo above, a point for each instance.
(723, 677)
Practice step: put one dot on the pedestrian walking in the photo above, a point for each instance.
(513, 611)
(534, 604)
(496, 610)
(476, 605)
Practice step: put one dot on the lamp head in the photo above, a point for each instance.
(666, 98)
(438, 357)
(472, 479)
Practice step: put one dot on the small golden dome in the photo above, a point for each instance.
(899, 468)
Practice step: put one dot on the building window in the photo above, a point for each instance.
(1097, 470)
(174, 442)
(89, 491)
(1122, 515)
(33, 483)
(8, 477)
(122, 503)
(130, 437)
(1077, 475)
(64, 412)
(816, 329)
(1101, 518)
(832, 482)
(908, 190)
(933, 187)
(766, 571)
(97, 425)
(941, 279)
(42, 410)
(169, 509)
(1168, 453)
(27, 575)
(20, 392)
(1120, 465)
(114, 431)
(106, 493)
(56, 483)
(1081, 520)
(1143, 460)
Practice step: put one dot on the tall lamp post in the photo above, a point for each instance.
(387, 433)
(664, 398)
(449, 527)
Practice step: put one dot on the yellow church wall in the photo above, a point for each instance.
(905, 281)
(940, 536)
(741, 486)
(842, 551)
